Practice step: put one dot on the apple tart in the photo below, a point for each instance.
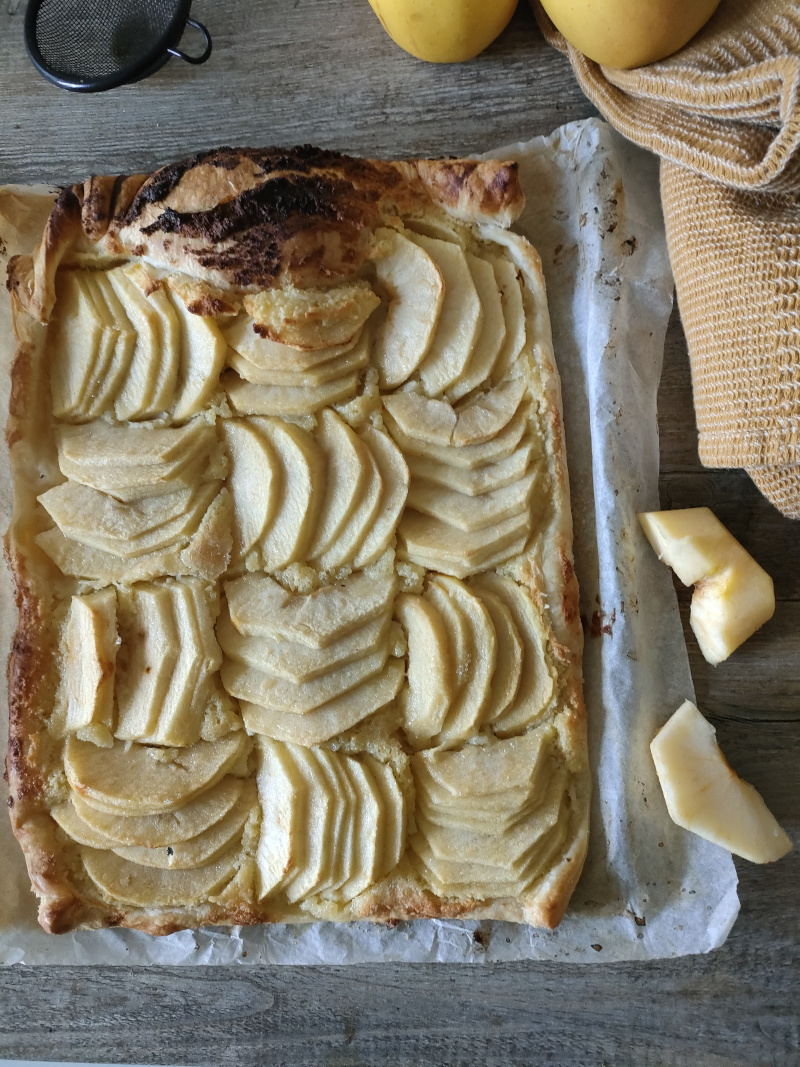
(298, 634)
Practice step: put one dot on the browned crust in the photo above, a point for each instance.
(32, 280)
(252, 218)
(283, 216)
(32, 667)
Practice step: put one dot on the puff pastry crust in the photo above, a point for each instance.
(298, 632)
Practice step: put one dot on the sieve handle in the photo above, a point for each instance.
(206, 51)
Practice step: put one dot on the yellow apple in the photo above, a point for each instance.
(733, 595)
(705, 796)
(629, 33)
(444, 31)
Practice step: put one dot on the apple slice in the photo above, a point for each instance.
(475, 661)
(499, 811)
(243, 336)
(508, 672)
(494, 768)
(311, 319)
(355, 530)
(137, 397)
(509, 851)
(139, 780)
(202, 356)
(294, 372)
(149, 655)
(302, 469)
(173, 531)
(179, 717)
(259, 606)
(73, 340)
(331, 719)
(416, 292)
(282, 792)
(158, 831)
(470, 457)
(89, 650)
(536, 682)
(197, 851)
(126, 530)
(208, 552)
(102, 444)
(318, 824)
(488, 882)
(112, 366)
(103, 356)
(322, 374)
(513, 313)
(348, 867)
(346, 474)
(733, 595)
(201, 611)
(97, 519)
(474, 513)
(483, 418)
(169, 332)
(466, 816)
(422, 418)
(181, 711)
(248, 399)
(492, 333)
(79, 561)
(293, 660)
(494, 874)
(281, 694)
(473, 482)
(444, 806)
(431, 675)
(705, 796)
(78, 829)
(149, 887)
(489, 816)
(393, 473)
(438, 546)
(460, 320)
(329, 769)
(367, 830)
(254, 479)
(393, 816)
(198, 543)
(343, 856)
(131, 484)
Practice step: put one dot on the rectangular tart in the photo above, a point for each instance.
(298, 632)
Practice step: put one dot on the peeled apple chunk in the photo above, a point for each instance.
(733, 595)
(448, 31)
(705, 796)
(629, 33)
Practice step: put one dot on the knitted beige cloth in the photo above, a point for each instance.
(724, 115)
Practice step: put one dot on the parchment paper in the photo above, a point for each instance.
(649, 889)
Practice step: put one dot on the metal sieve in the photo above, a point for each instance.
(91, 45)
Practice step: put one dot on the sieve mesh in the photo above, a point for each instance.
(84, 39)
(89, 45)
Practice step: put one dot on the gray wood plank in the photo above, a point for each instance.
(284, 73)
(292, 71)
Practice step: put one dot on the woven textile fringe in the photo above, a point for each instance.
(724, 115)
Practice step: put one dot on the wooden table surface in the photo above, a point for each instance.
(323, 71)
